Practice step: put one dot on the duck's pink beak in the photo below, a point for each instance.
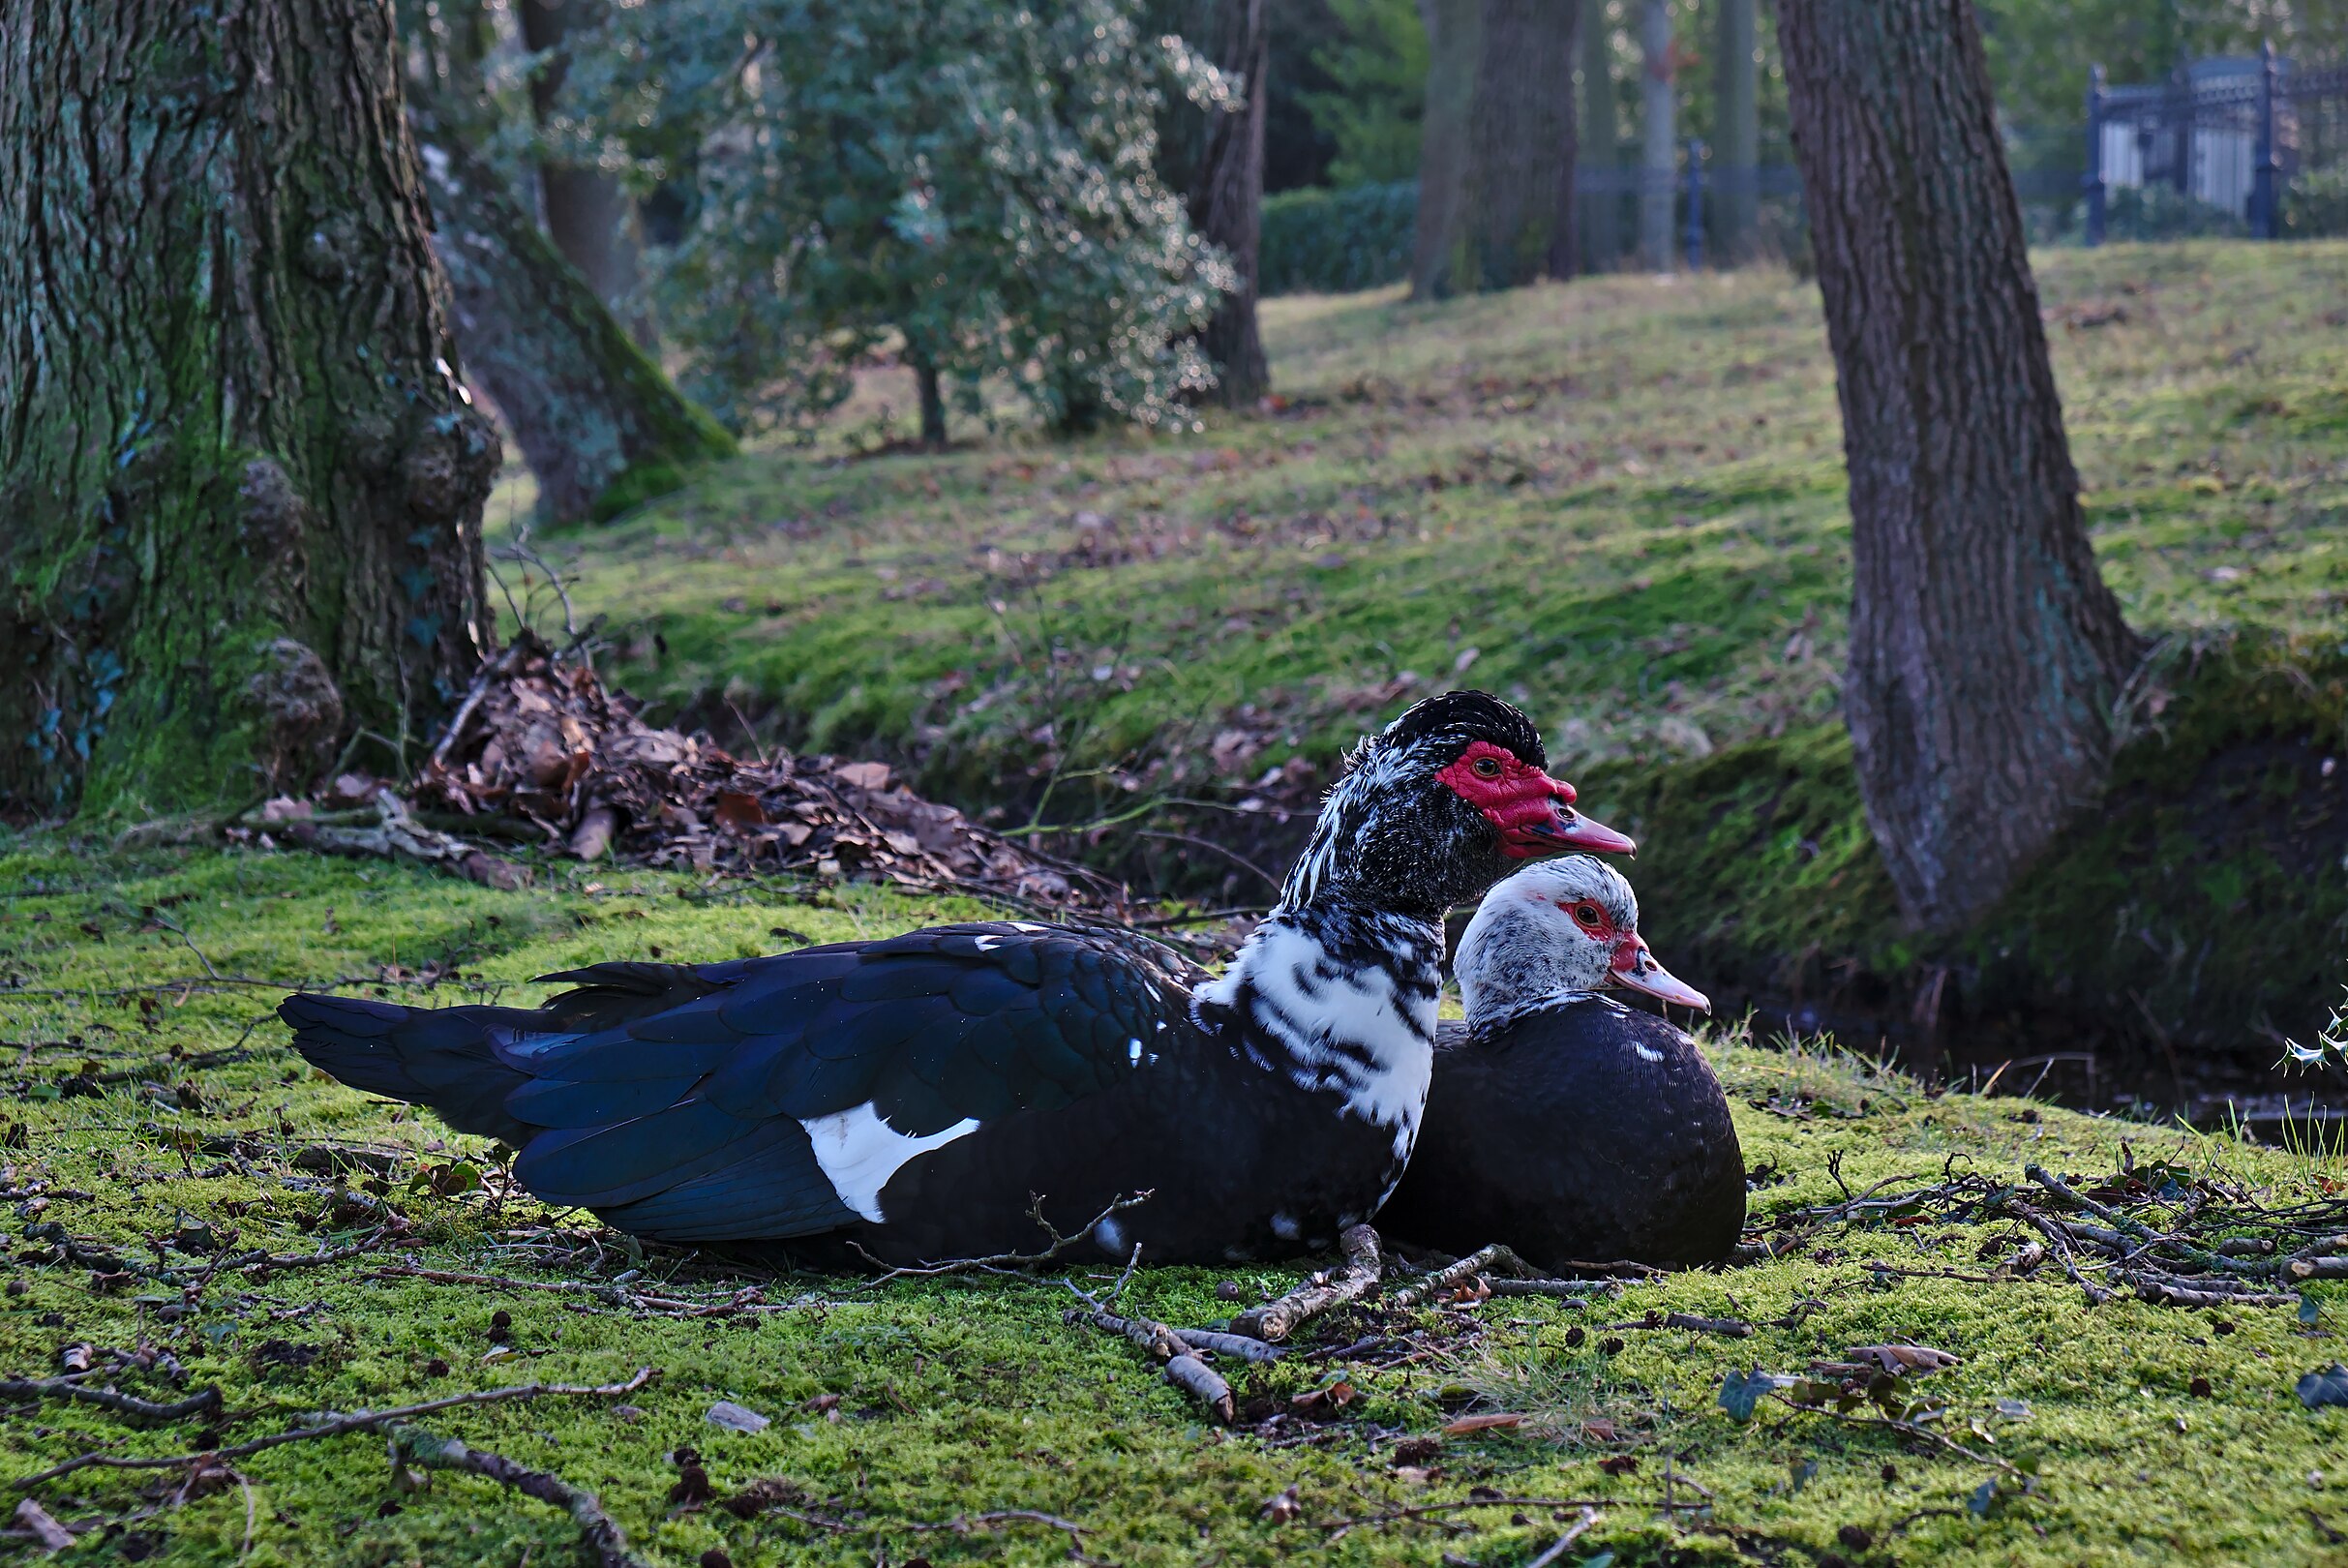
(1635, 969)
(1564, 829)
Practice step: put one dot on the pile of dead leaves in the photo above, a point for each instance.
(542, 750)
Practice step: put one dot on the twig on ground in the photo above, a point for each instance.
(1735, 1328)
(335, 1424)
(1006, 1262)
(1275, 1321)
(1573, 1532)
(1493, 1256)
(1906, 1428)
(1179, 1360)
(59, 1388)
(1392, 1516)
(416, 1446)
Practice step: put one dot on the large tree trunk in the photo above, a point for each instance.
(1217, 161)
(1496, 148)
(597, 421)
(240, 485)
(1985, 650)
(1736, 141)
(587, 212)
(1658, 152)
(1599, 211)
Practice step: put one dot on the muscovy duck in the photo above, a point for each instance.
(932, 1094)
(1569, 1127)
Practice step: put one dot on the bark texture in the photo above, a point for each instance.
(587, 212)
(1658, 151)
(1736, 142)
(1217, 161)
(240, 485)
(600, 426)
(1496, 148)
(1986, 652)
(1598, 214)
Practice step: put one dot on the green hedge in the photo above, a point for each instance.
(1332, 242)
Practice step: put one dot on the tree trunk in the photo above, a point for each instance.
(1985, 650)
(1736, 140)
(1217, 161)
(587, 212)
(1658, 160)
(1496, 151)
(1600, 215)
(933, 404)
(240, 485)
(597, 421)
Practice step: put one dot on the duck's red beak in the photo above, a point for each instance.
(1635, 969)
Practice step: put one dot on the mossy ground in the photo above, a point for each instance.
(1620, 500)
(968, 1395)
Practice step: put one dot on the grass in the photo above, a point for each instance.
(960, 1397)
(1619, 502)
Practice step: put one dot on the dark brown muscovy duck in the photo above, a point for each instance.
(1561, 1122)
(919, 1095)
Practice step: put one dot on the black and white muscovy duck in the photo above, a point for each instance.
(919, 1095)
(1561, 1122)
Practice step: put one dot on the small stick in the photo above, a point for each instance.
(1001, 1262)
(1228, 1344)
(1566, 1293)
(1179, 1360)
(1275, 1321)
(1460, 1273)
(59, 1388)
(602, 1533)
(1573, 1532)
(335, 1423)
(1735, 1328)
(2161, 1293)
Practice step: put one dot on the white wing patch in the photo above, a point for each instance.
(860, 1153)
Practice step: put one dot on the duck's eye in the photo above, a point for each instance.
(1485, 767)
(1586, 914)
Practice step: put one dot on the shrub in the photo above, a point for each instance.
(1332, 242)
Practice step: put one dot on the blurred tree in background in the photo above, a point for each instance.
(1376, 66)
(976, 179)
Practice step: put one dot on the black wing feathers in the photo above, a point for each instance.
(669, 1097)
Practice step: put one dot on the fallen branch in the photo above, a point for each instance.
(416, 1446)
(335, 1423)
(1275, 1321)
(59, 1388)
(395, 834)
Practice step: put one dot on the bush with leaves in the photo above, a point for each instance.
(973, 177)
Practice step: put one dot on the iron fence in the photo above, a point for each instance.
(2255, 148)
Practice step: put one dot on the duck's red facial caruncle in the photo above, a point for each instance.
(1533, 812)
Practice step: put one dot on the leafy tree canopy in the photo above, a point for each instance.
(976, 178)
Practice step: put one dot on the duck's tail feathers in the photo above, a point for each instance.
(444, 1058)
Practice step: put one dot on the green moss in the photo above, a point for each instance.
(960, 1397)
